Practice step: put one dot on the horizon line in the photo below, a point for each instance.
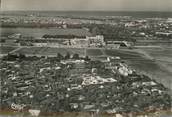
(91, 10)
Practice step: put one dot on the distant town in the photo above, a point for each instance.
(99, 31)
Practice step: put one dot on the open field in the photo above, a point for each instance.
(6, 49)
(154, 70)
(159, 68)
(49, 51)
(164, 54)
(162, 70)
(94, 52)
(127, 55)
(54, 51)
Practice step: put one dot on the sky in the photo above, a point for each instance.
(75, 5)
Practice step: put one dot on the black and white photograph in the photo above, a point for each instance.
(85, 58)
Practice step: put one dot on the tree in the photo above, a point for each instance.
(75, 56)
(21, 56)
(59, 56)
(10, 57)
(87, 58)
(67, 55)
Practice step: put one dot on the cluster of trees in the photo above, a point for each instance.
(13, 57)
(110, 32)
(62, 36)
(59, 57)
(69, 56)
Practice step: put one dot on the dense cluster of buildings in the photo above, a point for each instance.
(51, 21)
(34, 21)
(78, 85)
(65, 41)
(97, 41)
(116, 31)
(87, 41)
